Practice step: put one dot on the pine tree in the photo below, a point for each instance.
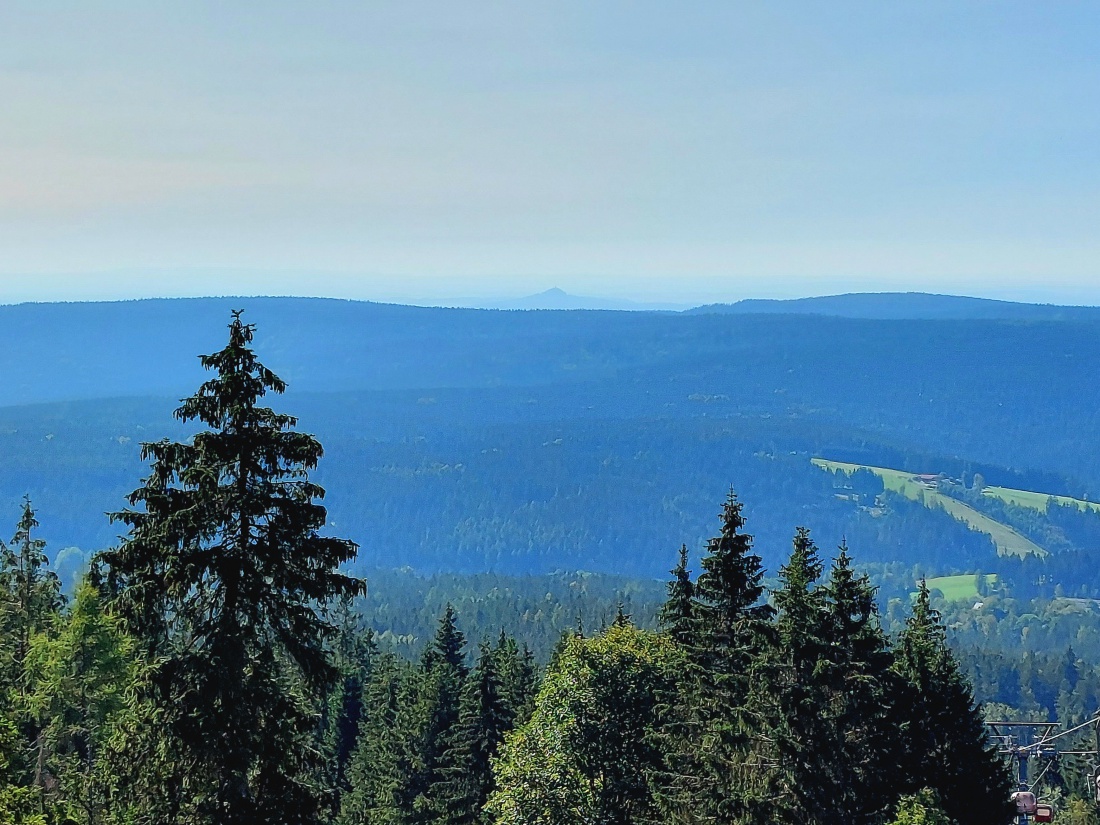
(862, 744)
(946, 744)
(483, 719)
(221, 576)
(442, 674)
(379, 769)
(792, 691)
(708, 771)
(30, 595)
(677, 616)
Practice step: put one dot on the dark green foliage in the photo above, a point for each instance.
(220, 577)
(379, 768)
(354, 653)
(403, 607)
(730, 620)
(677, 616)
(518, 676)
(30, 595)
(705, 733)
(484, 716)
(862, 742)
(794, 694)
(427, 733)
(442, 675)
(946, 748)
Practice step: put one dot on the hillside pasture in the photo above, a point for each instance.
(1036, 501)
(1009, 542)
(960, 588)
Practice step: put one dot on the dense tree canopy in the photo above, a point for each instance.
(220, 577)
(219, 666)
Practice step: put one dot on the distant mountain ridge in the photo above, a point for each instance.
(556, 298)
(536, 441)
(911, 306)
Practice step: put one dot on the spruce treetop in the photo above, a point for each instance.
(224, 576)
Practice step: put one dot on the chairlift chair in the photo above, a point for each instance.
(1025, 802)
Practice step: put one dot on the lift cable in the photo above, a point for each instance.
(1046, 740)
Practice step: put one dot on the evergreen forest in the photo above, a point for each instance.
(230, 659)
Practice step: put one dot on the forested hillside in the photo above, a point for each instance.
(536, 441)
(221, 661)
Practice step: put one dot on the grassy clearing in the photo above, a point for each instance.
(1008, 541)
(1036, 501)
(960, 588)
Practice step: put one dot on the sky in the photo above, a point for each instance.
(431, 151)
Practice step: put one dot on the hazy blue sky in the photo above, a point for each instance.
(664, 151)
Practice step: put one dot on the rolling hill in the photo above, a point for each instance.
(535, 441)
(912, 306)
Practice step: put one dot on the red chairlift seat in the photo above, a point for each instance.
(1044, 812)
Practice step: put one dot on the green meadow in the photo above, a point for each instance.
(960, 588)
(1037, 501)
(1009, 542)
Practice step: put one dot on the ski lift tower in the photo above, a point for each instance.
(1046, 745)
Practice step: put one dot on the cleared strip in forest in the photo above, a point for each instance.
(1009, 542)
(1037, 501)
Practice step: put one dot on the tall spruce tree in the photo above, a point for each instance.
(862, 744)
(518, 678)
(677, 616)
(30, 596)
(380, 769)
(354, 652)
(483, 719)
(220, 577)
(709, 774)
(793, 691)
(442, 674)
(946, 744)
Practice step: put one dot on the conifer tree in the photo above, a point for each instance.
(354, 652)
(793, 691)
(379, 769)
(676, 617)
(708, 772)
(518, 678)
(30, 598)
(18, 804)
(30, 594)
(483, 719)
(220, 577)
(730, 620)
(78, 674)
(946, 745)
(442, 674)
(862, 745)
